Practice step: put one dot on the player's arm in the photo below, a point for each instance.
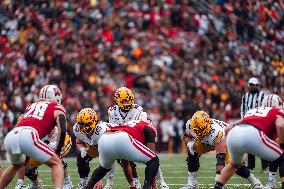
(80, 144)
(150, 136)
(61, 125)
(279, 122)
(220, 148)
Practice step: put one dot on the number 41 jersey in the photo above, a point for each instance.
(40, 116)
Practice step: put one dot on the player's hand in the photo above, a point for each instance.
(190, 146)
(83, 151)
(99, 185)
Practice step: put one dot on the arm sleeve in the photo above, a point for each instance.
(149, 135)
(62, 123)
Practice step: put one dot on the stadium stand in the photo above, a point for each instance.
(177, 55)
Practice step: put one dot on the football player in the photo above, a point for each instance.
(257, 131)
(85, 143)
(202, 135)
(126, 110)
(271, 100)
(31, 168)
(119, 142)
(39, 120)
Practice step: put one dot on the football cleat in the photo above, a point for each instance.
(270, 185)
(257, 185)
(67, 184)
(193, 185)
(19, 186)
(137, 183)
(164, 185)
(82, 183)
(35, 185)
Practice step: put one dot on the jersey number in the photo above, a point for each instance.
(259, 112)
(36, 110)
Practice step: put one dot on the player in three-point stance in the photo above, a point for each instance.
(204, 134)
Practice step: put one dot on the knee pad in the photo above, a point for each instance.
(221, 157)
(192, 162)
(31, 173)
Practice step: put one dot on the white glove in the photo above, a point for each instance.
(53, 145)
(190, 146)
(83, 151)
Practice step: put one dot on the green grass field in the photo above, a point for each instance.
(174, 171)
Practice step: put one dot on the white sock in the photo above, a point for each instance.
(159, 176)
(67, 179)
(252, 178)
(20, 182)
(192, 177)
(272, 176)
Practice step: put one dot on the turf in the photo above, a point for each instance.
(174, 170)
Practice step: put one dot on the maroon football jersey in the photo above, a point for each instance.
(264, 119)
(40, 116)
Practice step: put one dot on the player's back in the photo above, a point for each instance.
(40, 116)
(264, 119)
(135, 129)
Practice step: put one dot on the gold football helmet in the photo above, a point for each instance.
(87, 120)
(200, 124)
(123, 94)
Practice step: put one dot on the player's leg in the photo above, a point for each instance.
(159, 177)
(67, 183)
(110, 176)
(21, 176)
(83, 166)
(32, 174)
(244, 172)
(135, 175)
(127, 169)
(33, 147)
(12, 145)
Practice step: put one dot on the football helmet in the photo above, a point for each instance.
(124, 94)
(271, 100)
(87, 120)
(50, 92)
(200, 124)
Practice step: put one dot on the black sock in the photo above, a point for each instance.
(151, 170)
(243, 171)
(97, 175)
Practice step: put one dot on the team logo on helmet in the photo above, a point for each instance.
(200, 124)
(124, 98)
(50, 92)
(87, 120)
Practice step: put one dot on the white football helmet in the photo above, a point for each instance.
(50, 92)
(271, 100)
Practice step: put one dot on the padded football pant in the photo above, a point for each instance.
(252, 141)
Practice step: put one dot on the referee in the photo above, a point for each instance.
(252, 99)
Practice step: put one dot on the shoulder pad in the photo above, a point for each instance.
(138, 107)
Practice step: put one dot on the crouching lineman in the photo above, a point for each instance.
(272, 100)
(117, 144)
(203, 135)
(85, 144)
(256, 130)
(39, 120)
(126, 110)
(31, 168)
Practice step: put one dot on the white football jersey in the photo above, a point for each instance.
(100, 129)
(215, 135)
(119, 117)
(51, 137)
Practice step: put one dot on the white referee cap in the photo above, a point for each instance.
(253, 80)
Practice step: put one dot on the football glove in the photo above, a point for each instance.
(190, 146)
(83, 151)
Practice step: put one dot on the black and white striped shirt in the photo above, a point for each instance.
(250, 101)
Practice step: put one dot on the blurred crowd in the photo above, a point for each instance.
(177, 56)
